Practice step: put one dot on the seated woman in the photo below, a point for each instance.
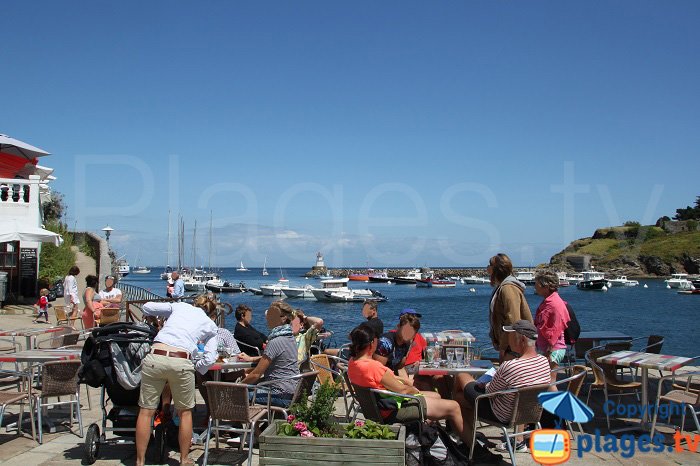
(93, 306)
(365, 371)
(246, 333)
(278, 363)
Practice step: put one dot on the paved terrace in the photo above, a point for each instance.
(66, 448)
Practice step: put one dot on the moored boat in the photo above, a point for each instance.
(622, 280)
(435, 283)
(241, 268)
(220, 286)
(475, 280)
(305, 292)
(141, 270)
(526, 276)
(593, 281)
(678, 280)
(274, 289)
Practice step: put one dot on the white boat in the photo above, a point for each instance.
(622, 280)
(241, 268)
(575, 278)
(141, 269)
(326, 277)
(563, 279)
(123, 268)
(413, 276)
(678, 280)
(526, 276)
(274, 289)
(264, 270)
(474, 280)
(337, 290)
(196, 281)
(593, 281)
(686, 286)
(305, 292)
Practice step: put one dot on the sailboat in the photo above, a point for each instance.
(168, 270)
(140, 269)
(264, 271)
(242, 268)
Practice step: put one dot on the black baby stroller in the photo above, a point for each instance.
(111, 359)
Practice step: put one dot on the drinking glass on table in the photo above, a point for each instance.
(459, 357)
(450, 354)
(430, 355)
(437, 354)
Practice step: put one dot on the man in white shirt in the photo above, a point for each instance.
(171, 360)
(111, 296)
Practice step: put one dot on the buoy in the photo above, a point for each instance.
(472, 290)
(646, 286)
(668, 287)
(389, 282)
(307, 278)
(605, 288)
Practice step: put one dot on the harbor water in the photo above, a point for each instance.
(636, 311)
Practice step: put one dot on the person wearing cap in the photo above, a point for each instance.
(507, 304)
(530, 368)
(110, 296)
(393, 346)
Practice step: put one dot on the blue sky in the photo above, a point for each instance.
(388, 133)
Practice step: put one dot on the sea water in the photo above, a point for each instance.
(636, 311)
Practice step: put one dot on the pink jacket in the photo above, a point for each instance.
(551, 319)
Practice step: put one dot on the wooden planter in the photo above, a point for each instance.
(311, 451)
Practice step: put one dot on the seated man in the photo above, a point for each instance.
(528, 369)
(110, 296)
(370, 313)
(393, 347)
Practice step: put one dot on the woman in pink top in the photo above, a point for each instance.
(551, 318)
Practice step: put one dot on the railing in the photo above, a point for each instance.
(135, 297)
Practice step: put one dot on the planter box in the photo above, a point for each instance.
(282, 450)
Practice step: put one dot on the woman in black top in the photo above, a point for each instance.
(247, 334)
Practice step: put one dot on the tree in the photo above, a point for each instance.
(689, 213)
(54, 208)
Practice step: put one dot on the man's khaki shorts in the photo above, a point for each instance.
(177, 372)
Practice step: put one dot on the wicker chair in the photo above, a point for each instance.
(367, 399)
(606, 379)
(64, 337)
(304, 387)
(526, 410)
(59, 378)
(62, 317)
(688, 398)
(22, 395)
(229, 402)
(322, 364)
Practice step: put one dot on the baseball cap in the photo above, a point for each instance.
(109, 277)
(410, 311)
(523, 327)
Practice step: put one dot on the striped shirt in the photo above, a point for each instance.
(516, 373)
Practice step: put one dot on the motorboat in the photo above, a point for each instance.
(435, 283)
(352, 296)
(475, 280)
(686, 286)
(274, 289)
(563, 279)
(678, 280)
(194, 282)
(622, 280)
(241, 268)
(255, 291)
(123, 268)
(221, 286)
(413, 276)
(575, 278)
(526, 276)
(167, 273)
(305, 292)
(326, 277)
(380, 277)
(141, 270)
(593, 281)
(358, 277)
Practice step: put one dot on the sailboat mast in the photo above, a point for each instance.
(211, 214)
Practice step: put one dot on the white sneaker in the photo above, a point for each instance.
(521, 447)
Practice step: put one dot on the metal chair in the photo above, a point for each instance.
(64, 337)
(606, 379)
(686, 397)
(229, 402)
(322, 364)
(526, 410)
(9, 377)
(22, 395)
(248, 349)
(59, 378)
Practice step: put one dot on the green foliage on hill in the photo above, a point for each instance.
(56, 260)
(671, 247)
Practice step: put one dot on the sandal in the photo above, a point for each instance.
(188, 462)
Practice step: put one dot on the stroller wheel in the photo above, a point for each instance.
(92, 443)
(160, 444)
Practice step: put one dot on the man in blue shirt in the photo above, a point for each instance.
(178, 286)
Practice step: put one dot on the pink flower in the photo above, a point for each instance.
(300, 426)
(290, 418)
(306, 433)
(359, 423)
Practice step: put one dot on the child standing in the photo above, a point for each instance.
(42, 306)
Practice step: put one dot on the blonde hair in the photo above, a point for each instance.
(44, 292)
(287, 314)
(206, 303)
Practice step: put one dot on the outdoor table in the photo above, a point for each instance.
(30, 334)
(476, 367)
(449, 338)
(41, 356)
(645, 361)
(602, 335)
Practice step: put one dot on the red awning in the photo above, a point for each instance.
(11, 165)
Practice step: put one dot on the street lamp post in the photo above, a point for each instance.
(108, 230)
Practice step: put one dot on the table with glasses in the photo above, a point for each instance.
(30, 334)
(645, 361)
(475, 368)
(452, 345)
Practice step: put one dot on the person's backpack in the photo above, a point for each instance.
(431, 445)
(573, 328)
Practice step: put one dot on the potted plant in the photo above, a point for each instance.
(311, 436)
